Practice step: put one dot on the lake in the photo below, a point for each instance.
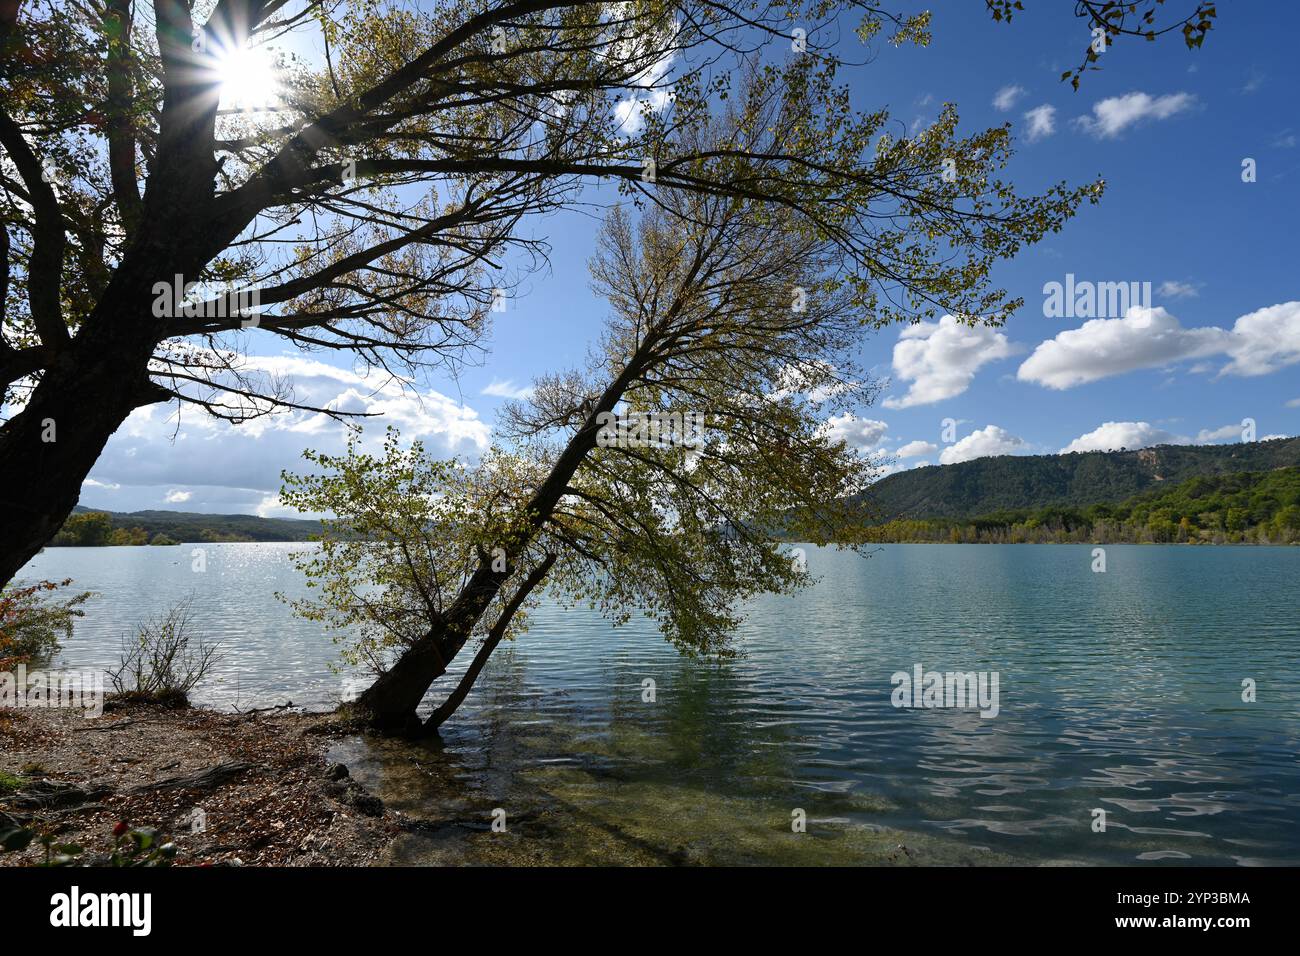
(1119, 692)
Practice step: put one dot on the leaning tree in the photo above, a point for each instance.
(724, 309)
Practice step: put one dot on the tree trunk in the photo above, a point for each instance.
(392, 699)
(88, 388)
(390, 702)
(452, 703)
(48, 448)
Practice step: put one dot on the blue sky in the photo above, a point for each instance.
(1168, 129)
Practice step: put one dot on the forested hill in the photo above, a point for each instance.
(1015, 483)
(141, 527)
(1244, 507)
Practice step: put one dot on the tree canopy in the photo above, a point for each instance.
(376, 210)
(727, 310)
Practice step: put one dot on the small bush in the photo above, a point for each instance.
(32, 625)
(162, 662)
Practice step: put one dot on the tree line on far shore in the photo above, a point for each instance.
(97, 528)
(1243, 508)
(91, 529)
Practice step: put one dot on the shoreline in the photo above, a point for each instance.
(252, 789)
(273, 793)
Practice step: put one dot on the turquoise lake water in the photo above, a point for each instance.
(1119, 691)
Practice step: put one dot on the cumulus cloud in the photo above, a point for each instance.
(227, 468)
(629, 113)
(914, 448)
(983, 443)
(1258, 343)
(864, 434)
(1143, 338)
(507, 389)
(1042, 122)
(940, 359)
(1293, 403)
(272, 507)
(1005, 98)
(1227, 432)
(1112, 436)
(1111, 116)
(1265, 340)
(175, 497)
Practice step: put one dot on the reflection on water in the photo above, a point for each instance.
(1119, 691)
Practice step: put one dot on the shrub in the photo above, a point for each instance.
(128, 536)
(87, 529)
(162, 662)
(32, 625)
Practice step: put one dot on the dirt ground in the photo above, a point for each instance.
(226, 789)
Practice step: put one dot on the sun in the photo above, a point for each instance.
(249, 79)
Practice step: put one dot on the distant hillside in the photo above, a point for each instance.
(1017, 483)
(1246, 507)
(191, 526)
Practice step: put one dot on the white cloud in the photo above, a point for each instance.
(1112, 436)
(104, 486)
(507, 389)
(1294, 403)
(177, 497)
(941, 358)
(1006, 97)
(1207, 435)
(1273, 437)
(1144, 338)
(1173, 289)
(629, 112)
(864, 434)
(227, 468)
(918, 447)
(1113, 115)
(796, 378)
(272, 507)
(1265, 340)
(1042, 122)
(982, 443)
